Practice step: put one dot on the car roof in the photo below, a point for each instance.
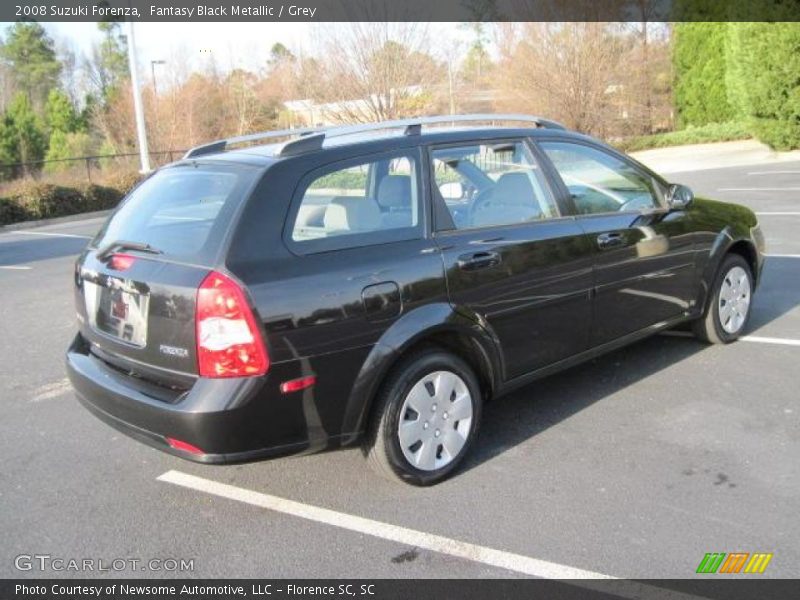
(379, 141)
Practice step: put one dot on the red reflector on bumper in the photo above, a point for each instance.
(295, 385)
(179, 445)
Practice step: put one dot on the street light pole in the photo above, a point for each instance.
(141, 132)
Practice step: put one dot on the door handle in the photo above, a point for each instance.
(610, 240)
(478, 260)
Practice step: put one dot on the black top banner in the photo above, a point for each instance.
(400, 10)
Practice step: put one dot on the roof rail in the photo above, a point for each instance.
(220, 145)
(411, 126)
(312, 138)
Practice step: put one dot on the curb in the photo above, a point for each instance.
(54, 220)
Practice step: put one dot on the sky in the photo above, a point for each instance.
(233, 45)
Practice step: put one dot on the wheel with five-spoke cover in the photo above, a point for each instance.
(425, 418)
(730, 300)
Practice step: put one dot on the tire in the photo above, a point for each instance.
(413, 397)
(733, 286)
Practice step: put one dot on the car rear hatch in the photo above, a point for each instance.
(137, 282)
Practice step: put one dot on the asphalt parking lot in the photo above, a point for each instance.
(634, 465)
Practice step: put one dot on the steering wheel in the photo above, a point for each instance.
(632, 201)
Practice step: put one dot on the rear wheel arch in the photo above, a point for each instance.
(464, 345)
(437, 326)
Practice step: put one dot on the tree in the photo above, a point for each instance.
(108, 67)
(564, 70)
(764, 77)
(279, 54)
(30, 56)
(376, 71)
(477, 64)
(8, 146)
(60, 113)
(701, 91)
(22, 137)
(66, 145)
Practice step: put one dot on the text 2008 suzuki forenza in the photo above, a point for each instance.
(377, 284)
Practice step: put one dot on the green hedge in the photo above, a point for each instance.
(29, 201)
(705, 134)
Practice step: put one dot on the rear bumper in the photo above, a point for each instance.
(229, 420)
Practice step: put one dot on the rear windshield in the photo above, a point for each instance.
(183, 211)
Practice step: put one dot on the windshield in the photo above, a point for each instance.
(181, 211)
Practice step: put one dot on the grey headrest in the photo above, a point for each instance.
(395, 191)
(514, 189)
(352, 214)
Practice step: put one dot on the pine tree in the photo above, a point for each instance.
(30, 56)
(60, 113)
(23, 138)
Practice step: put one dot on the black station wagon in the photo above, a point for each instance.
(377, 284)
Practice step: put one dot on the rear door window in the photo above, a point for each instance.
(183, 211)
(491, 184)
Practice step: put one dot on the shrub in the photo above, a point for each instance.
(122, 181)
(764, 60)
(43, 200)
(706, 134)
(98, 197)
(12, 212)
(31, 200)
(701, 92)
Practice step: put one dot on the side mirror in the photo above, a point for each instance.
(452, 190)
(679, 196)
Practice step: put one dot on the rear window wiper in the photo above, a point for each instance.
(106, 250)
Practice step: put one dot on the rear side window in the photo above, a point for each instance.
(182, 211)
(358, 204)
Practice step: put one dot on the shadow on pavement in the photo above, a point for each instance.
(778, 292)
(509, 421)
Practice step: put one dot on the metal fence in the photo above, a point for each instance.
(87, 168)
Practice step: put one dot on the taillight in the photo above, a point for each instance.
(229, 343)
(121, 262)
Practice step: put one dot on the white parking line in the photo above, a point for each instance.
(760, 189)
(51, 390)
(778, 213)
(770, 340)
(47, 233)
(745, 338)
(420, 539)
(15, 267)
(395, 533)
(774, 173)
